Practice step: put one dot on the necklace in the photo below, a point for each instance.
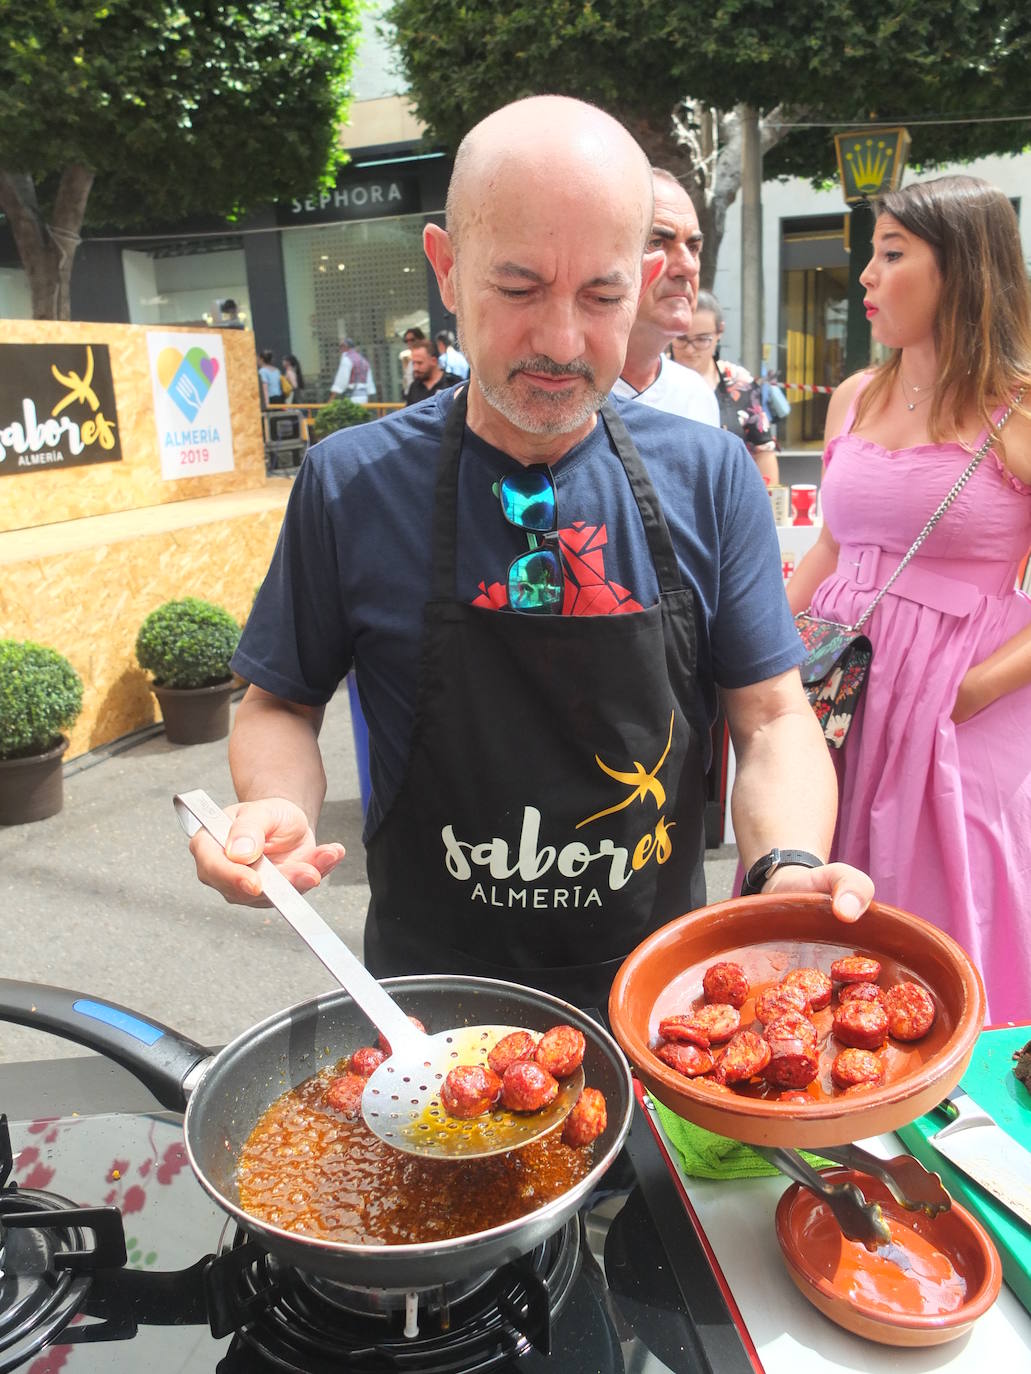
(928, 390)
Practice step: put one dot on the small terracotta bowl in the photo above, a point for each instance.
(767, 936)
(859, 1289)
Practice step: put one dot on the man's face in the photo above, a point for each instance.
(667, 305)
(423, 361)
(545, 288)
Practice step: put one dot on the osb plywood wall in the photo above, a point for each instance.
(89, 602)
(46, 495)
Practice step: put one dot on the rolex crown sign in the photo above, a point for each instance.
(871, 161)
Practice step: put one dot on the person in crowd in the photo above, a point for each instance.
(936, 769)
(230, 315)
(541, 595)
(449, 357)
(737, 393)
(271, 379)
(291, 370)
(666, 309)
(427, 376)
(354, 377)
(412, 336)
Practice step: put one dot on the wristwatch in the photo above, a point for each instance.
(768, 864)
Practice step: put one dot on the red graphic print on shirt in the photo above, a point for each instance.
(587, 591)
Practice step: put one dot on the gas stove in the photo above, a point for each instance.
(115, 1259)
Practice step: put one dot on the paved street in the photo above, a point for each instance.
(102, 897)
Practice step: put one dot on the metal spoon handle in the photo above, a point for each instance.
(197, 811)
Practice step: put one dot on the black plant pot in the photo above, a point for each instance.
(195, 715)
(32, 788)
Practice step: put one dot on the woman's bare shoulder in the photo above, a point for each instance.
(844, 394)
(1017, 439)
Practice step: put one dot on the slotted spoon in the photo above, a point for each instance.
(401, 1102)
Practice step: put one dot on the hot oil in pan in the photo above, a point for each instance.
(306, 1169)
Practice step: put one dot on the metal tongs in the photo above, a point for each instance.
(910, 1184)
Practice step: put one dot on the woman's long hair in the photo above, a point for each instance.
(982, 329)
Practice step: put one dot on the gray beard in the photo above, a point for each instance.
(531, 413)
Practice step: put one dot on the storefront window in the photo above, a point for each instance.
(185, 281)
(365, 281)
(814, 313)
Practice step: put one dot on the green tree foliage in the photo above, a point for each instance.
(151, 110)
(40, 695)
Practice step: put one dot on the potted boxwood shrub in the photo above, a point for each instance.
(40, 696)
(340, 413)
(186, 645)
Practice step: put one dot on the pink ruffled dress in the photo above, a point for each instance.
(938, 814)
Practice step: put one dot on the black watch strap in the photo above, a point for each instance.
(767, 865)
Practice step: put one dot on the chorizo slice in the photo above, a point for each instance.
(561, 1050)
(910, 1011)
(510, 1049)
(690, 1060)
(853, 1067)
(792, 1025)
(745, 1056)
(861, 992)
(470, 1090)
(344, 1095)
(717, 1021)
(774, 1001)
(384, 1043)
(816, 985)
(365, 1061)
(683, 1030)
(861, 1025)
(726, 982)
(855, 968)
(526, 1087)
(587, 1120)
(793, 1063)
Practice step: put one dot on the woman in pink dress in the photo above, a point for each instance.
(935, 775)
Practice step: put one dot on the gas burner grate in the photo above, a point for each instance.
(293, 1323)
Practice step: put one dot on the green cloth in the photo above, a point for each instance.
(704, 1155)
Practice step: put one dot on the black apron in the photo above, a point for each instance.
(551, 814)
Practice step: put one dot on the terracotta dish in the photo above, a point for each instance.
(768, 936)
(939, 1275)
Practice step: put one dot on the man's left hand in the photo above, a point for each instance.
(850, 889)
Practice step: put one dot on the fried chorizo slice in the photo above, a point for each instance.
(365, 1061)
(690, 1060)
(816, 985)
(587, 1120)
(561, 1050)
(344, 1094)
(384, 1043)
(716, 1021)
(725, 982)
(683, 1030)
(793, 1063)
(510, 1049)
(852, 1067)
(861, 992)
(910, 1011)
(861, 1025)
(469, 1090)
(745, 1056)
(526, 1087)
(855, 968)
(774, 1001)
(791, 1025)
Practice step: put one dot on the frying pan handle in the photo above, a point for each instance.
(158, 1056)
(197, 811)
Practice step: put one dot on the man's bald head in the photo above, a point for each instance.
(545, 141)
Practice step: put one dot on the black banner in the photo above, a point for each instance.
(57, 407)
(353, 199)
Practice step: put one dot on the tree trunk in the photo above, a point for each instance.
(47, 251)
(751, 240)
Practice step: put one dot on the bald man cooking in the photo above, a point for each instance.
(541, 598)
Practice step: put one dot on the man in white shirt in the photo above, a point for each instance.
(649, 375)
(354, 375)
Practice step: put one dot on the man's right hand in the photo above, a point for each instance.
(275, 828)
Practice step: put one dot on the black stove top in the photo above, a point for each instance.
(628, 1285)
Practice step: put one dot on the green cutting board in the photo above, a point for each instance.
(990, 1081)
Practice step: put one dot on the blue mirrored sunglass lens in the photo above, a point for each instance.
(528, 501)
(535, 581)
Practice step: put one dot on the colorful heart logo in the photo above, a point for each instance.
(187, 380)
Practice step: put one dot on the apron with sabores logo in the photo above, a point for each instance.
(551, 814)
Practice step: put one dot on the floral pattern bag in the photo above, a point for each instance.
(836, 663)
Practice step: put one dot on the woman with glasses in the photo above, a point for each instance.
(936, 769)
(737, 392)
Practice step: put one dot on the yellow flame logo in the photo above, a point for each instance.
(641, 781)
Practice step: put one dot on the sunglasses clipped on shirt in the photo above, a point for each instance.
(536, 581)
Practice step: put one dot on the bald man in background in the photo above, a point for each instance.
(541, 598)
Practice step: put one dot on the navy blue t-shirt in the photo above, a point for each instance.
(351, 571)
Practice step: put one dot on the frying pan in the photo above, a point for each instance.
(225, 1094)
